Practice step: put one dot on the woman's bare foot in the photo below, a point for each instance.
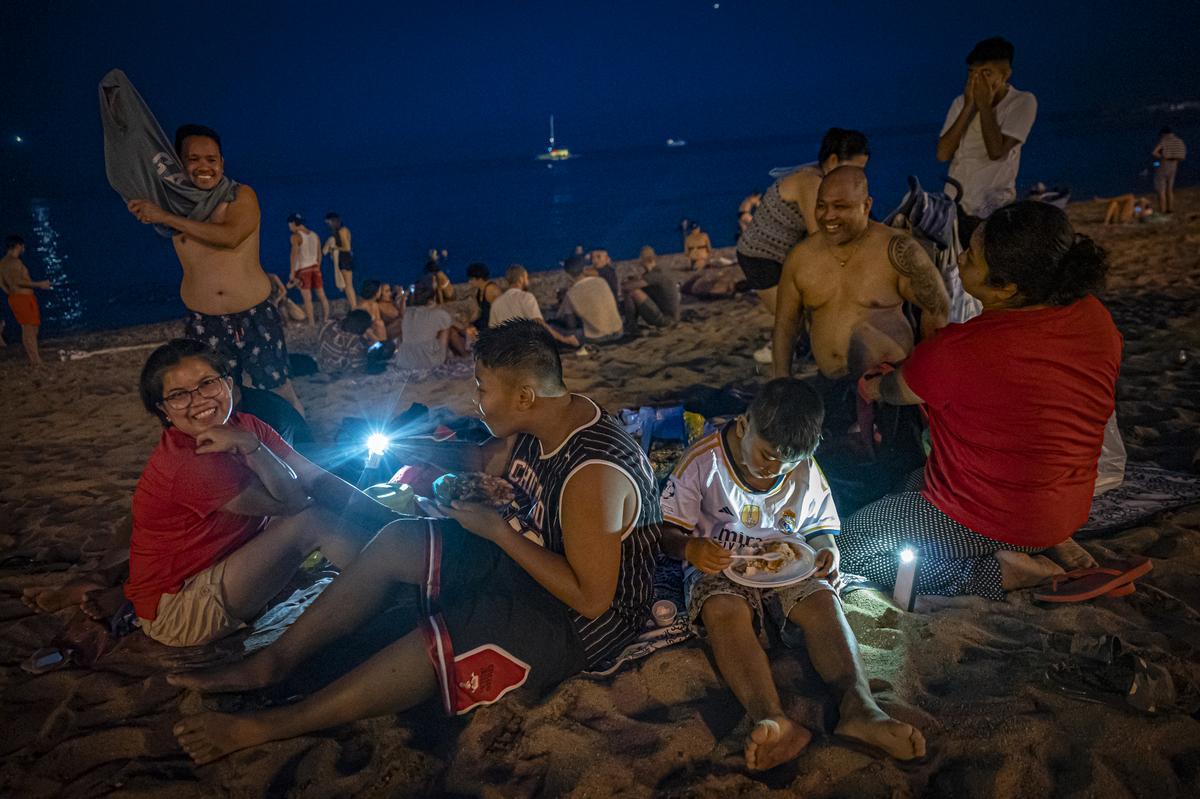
(101, 604)
(49, 599)
(1070, 555)
(773, 741)
(1018, 570)
(257, 671)
(866, 722)
(209, 736)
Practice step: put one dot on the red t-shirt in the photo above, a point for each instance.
(179, 528)
(1017, 405)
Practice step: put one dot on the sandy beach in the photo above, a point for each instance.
(972, 674)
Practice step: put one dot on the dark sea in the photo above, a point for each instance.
(109, 271)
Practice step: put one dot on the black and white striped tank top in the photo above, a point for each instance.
(778, 226)
(540, 478)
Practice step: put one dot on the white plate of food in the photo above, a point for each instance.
(799, 561)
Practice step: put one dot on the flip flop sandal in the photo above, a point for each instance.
(1081, 585)
(1121, 590)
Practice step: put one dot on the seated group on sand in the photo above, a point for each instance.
(1017, 399)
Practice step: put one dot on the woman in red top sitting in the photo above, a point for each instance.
(226, 511)
(1017, 400)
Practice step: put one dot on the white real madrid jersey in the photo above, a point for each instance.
(706, 496)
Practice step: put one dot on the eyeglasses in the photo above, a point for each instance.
(209, 388)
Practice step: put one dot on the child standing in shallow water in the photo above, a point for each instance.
(754, 478)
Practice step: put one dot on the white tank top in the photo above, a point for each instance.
(310, 250)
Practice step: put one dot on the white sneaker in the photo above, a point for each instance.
(765, 355)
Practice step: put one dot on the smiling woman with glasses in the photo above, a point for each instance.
(226, 511)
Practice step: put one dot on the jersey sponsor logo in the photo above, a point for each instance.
(751, 515)
(668, 491)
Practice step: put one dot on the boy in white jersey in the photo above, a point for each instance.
(756, 477)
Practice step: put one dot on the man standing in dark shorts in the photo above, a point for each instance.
(224, 287)
(560, 585)
(338, 246)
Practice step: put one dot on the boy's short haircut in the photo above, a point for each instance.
(997, 48)
(356, 322)
(13, 241)
(332, 216)
(575, 265)
(522, 344)
(295, 219)
(191, 129)
(788, 414)
(369, 289)
(514, 274)
(432, 267)
(478, 271)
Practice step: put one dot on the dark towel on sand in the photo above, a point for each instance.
(140, 160)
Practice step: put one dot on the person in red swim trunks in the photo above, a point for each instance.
(18, 285)
(306, 267)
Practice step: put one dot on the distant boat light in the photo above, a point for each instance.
(19, 139)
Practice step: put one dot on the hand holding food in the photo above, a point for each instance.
(477, 487)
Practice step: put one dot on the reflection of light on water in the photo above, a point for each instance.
(62, 304)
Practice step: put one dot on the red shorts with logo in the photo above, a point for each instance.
(25, 308)
(490, 628)
(309, 278)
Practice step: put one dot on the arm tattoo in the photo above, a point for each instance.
(910, 260)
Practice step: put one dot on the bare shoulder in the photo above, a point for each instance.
(903, 250)
(802, 181)
(245, 194)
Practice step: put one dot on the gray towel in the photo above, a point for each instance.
(140, 160)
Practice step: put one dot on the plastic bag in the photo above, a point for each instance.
(1111, 470)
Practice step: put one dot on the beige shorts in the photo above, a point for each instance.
(765, 603)
(196, 615)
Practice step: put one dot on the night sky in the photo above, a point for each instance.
(303, 88)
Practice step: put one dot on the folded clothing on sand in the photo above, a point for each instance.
(141, 162)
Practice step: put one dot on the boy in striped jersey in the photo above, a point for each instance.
(561, 586)
(755, 478)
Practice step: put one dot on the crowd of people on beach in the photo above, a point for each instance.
(968, 432)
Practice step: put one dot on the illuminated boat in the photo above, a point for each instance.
(677, 142)
(554, 153)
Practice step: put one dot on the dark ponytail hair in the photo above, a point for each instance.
(1032, 245)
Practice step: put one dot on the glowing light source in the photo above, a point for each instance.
(904, 591)
(377, 443)
(19, 139)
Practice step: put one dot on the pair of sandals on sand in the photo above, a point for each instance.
(1112, 578)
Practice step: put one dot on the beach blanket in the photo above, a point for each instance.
(1146, 492)
(141, 162)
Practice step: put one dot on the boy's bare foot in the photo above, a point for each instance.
(1018, 570)
(209, 736)
(257, 671)
(49, 599)
(774, 741)
(1070, 555)
(870, 725)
